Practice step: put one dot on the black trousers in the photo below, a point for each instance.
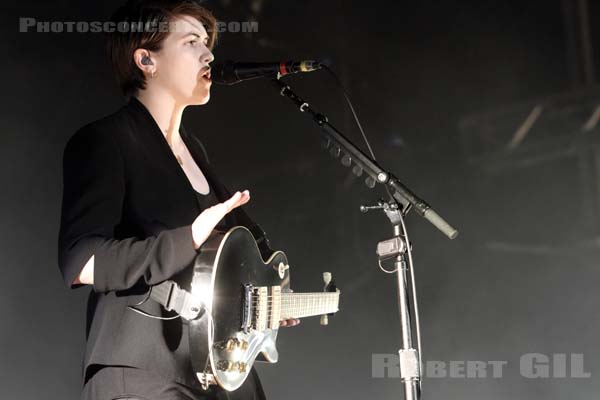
(126, 383)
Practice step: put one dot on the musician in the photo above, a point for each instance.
(139, 199)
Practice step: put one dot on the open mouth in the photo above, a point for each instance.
(206, 75)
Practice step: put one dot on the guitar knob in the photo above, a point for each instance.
(232, 366)
(231, 344)
(224, 365)
(242, 367)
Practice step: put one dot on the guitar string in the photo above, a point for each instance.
(290, 301)
(300, 314)
(310, 309)
(271, 302)
(271, 298)
(298, 295)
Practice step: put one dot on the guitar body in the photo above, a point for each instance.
(224, 342)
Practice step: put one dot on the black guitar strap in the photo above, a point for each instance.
(174, 298)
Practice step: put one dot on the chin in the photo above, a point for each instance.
(201, 99)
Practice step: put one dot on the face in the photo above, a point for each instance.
(182, 65)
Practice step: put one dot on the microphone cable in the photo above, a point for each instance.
(404, 232)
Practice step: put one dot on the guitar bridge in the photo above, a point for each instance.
(262, 308)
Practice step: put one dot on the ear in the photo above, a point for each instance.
(144, 61)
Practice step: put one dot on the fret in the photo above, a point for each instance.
(299, 305)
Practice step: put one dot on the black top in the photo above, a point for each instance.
(207, 200)
(127, 201)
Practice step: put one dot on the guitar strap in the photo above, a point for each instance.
(174, 298)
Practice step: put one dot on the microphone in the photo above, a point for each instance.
(232, 72)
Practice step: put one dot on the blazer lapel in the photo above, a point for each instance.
(198, 153)
(237, 216)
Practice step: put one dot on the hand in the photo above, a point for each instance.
(209, 218)
(289, 322)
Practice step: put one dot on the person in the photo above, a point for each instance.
(139, 199)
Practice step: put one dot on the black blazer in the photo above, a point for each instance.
(127, 201)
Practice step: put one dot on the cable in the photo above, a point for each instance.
(414, 295)
(349, 102)
(404, 231)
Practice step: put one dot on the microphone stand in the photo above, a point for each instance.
(398, 247)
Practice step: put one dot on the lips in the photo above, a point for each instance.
(206, 75)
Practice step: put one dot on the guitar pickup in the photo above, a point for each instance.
(247, 308)
(262, 308)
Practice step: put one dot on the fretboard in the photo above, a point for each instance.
(300, 305)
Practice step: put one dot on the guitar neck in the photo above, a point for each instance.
(301, 305)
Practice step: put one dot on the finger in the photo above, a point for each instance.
(233, 199)
(238, 199)
(240, 202)
(245, 197)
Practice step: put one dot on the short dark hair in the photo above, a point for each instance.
(121, 43)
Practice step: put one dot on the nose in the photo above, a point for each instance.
(208, 57)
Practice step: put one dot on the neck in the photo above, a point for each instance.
(165, 110)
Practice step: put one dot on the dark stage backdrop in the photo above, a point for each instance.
(441, 87)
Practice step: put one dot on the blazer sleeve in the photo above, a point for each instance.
(93, 193)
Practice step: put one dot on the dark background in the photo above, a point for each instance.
(441, 88)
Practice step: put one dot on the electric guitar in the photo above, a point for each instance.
(244, 300)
